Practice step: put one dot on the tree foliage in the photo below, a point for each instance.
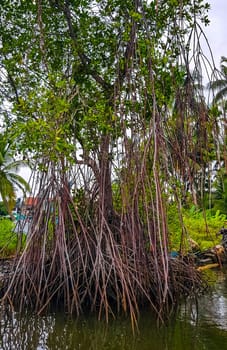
(103, 95)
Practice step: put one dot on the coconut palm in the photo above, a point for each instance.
(9, 179)
(220, 85)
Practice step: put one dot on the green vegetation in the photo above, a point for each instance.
(107, 98)
(8, 238)
(9, 179)
(201, 227)
(3, 210)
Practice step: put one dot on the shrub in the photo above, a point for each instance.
(200, 226)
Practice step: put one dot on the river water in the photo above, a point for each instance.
(202, 328)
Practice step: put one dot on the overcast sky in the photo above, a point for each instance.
(217, 30)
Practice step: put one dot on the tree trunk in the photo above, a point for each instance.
(106, 209)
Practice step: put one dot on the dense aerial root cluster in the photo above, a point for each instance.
(83, 266)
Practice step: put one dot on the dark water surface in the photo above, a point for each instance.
(192, 329)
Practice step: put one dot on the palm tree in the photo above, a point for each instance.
(220, 85)
(220, 101)
(9, 179)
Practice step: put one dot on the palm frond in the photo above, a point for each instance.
(217, 84)
(7, 192)
(15, 165)
(9, 179)
(221, 95)
(19, 181)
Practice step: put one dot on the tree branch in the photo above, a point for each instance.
(91, 163)
(85, 60)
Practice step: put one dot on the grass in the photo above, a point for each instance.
(8, 238)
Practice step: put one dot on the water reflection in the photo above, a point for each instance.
(211, 309)
(205, 328)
